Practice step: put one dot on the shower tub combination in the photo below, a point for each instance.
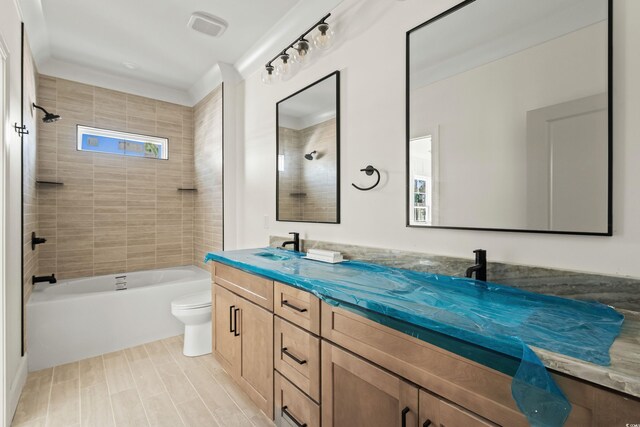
(80, 318)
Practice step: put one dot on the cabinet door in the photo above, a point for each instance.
(357, 393)
(436, 412)
(255, 326)
(225, 344)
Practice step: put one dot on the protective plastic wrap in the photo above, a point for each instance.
(498, 318)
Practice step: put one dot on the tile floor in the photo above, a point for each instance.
(148, 385)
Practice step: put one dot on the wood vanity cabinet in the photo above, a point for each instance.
(243, 334)
(322, 365)
(358, 393)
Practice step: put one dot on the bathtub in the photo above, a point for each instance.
(79, 318)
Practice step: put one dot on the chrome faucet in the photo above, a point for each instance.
(480, 268)
(295, 242)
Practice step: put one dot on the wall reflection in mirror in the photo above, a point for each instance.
(308, 153)
(509, 119)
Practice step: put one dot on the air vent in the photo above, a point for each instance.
(207, 24)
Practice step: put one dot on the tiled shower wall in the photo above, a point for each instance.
(208, 227)
(307, 188)
(114, 214)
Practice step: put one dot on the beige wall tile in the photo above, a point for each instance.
(116, 214)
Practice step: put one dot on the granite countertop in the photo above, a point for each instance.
(624, 372)
(479, 313)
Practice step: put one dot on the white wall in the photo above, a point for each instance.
(481, 115)
(14, 367)
(371, 56)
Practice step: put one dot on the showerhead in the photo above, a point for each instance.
(48, 117)
(310, 155)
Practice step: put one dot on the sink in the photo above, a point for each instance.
(272, 256)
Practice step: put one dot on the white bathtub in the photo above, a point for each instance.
(80, 318)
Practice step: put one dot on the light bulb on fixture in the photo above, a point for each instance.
(301, 52)
(324, 38)
(284, 68)
(298, 54)
(268, 74)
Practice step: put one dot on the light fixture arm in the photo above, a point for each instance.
(320, 22)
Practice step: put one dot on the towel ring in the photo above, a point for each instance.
(369, 170)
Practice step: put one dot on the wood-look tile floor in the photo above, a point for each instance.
(149, 385)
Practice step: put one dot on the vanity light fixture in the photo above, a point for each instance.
(298, 52)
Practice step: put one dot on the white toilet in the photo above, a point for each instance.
(194, 310)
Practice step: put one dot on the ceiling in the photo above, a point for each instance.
(494, 29)
(313, 105)
(101, 35)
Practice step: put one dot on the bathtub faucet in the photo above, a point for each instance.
(38, 279)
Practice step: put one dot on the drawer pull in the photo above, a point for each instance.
(295, 359)
(426, 423)
(293, 307)
(405, 411)
(231, 318)
(292, 418)
(235, 322)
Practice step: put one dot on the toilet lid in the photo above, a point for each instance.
(195, 300)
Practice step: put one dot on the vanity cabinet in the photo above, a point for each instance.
(322, 365)
(243, 333)
(358, 393)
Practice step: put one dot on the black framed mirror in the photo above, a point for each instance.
(308, 153)
(509, 117)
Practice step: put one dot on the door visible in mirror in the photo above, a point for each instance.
(308, 153)
(509, 118)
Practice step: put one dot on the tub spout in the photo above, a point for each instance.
(37, 279)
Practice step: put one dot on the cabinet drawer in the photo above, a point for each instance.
(292, 407)
(297, 356)
(437, 412)
(254, 288)
(299, 307)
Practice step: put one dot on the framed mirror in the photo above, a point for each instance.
(509, 117)
(308, 153)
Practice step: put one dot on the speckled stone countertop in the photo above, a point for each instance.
(621, 293)
(624, 372)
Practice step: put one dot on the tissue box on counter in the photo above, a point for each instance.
(324, 256)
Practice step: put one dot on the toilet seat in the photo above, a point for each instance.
(192, 301)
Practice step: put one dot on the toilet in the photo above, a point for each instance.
(194, 310)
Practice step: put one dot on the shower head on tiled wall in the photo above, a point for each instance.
(311, 155)
(48, 117)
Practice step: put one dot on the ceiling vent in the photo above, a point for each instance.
(207, 24)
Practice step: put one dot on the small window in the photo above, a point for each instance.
(123, 143)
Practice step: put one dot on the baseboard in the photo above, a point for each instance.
(16, 389)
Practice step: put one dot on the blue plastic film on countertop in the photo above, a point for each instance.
(496, 317)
